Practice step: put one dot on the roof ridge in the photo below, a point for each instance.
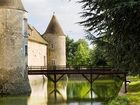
(36, 36)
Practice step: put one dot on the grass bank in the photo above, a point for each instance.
(133, 95)
(134, 91)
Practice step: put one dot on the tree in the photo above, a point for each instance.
(98, 57)
(70, 50)
(116, 23)
(82, 53)
(77, 53)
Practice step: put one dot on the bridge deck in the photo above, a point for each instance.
(43, 71)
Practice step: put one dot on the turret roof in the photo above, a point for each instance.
(35, 36)
(12, 4)
(54, 27)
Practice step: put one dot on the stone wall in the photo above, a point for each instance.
(37, 54)
(13, 60)
(56, 50)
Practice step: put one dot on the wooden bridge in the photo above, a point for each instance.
(84, 71)
(42, 70)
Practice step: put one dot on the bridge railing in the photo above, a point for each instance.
(76, 67)
(37, 67)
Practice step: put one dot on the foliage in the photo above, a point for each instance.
(120, 100)
(70, 50)
(77, 52)
(98, 57)
(117, 28)
(82, 53)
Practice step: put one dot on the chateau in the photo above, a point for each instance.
(47, 49)
(21, 45)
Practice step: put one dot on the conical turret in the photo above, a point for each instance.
(54, 27)
(12, 4)
(56, 39)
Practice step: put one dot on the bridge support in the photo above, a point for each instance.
(125, 83)
(124, 78)
(90, 80)
(55, 79)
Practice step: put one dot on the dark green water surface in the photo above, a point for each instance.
(72, 92)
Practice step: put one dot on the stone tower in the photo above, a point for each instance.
(56, 38)
(13, 48)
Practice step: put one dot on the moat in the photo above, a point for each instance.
(68, 92)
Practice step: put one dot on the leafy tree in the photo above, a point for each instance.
(77, 52)
(70, 50)
(82, 53)
(98, 57)
(116, 23)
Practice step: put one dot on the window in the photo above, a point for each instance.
(24, 27)
(53, 62)
(52, 46)
(26, 50)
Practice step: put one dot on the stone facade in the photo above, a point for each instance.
(56, 50)
(37, 54)
(37, 49)
(13, 60)
(56, 44)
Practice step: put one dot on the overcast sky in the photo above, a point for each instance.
(67, 13)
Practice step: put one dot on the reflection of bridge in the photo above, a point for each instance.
(87, 72)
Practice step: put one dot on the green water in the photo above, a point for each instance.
(68, 93)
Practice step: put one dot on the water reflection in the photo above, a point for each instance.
(67, 92)
(85, 103)
(13, 101)
(39, 90)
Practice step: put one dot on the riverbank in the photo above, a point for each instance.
(133, 95)
(134, 91)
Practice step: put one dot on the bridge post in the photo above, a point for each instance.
(125, 83)
(55, 87)
(91, 85)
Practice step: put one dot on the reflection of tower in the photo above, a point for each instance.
(56, 39)
(13, 47)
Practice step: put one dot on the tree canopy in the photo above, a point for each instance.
(116, 24)
(82, 53)
(78, 52)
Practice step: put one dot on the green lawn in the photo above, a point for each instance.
(134, 91)
(133, 95)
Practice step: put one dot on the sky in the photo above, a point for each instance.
(66, 11)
